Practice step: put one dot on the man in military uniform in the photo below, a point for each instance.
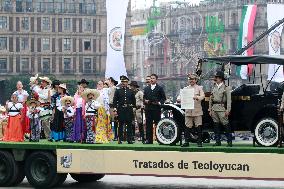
(138, 110)
(124, 102)
(193, 118)
(220, 107)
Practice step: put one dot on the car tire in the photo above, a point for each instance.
(86, 178)
(40, 169)
(8, 169)
(167, 131)
(266, 132)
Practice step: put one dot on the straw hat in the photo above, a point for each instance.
(65, 99)
(45, 79)
(94, 92)
(2, 109)
(63, 86)
(33, 100)
(33, 79)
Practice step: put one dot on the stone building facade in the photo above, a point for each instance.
(64, 38)
(187, 32)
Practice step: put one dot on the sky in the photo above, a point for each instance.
(141, 4)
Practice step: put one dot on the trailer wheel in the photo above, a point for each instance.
(167, 131)
(85, 178)
(40, 169)
(266, 132)
(8, 169)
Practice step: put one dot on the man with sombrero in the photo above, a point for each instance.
(33, 114)
(138, 110)
(193, 117)
(220, 108)
(124, 101)
(44, 99)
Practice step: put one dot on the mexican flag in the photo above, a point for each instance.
(246, 36)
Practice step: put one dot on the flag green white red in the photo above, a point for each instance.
(245, 36)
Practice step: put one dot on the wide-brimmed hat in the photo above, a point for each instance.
(55, 82)
(2, 109)
(33, 100)
(123, 78)
(134, 84)
(94, 92)
(220, 74)
(33, 79)
(193, 76)
(65, 99)
(45, 79)
(83, 81)
(63, 86)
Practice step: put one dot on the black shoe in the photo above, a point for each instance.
(186, 144)
(217, 144)
(50, 140)
(119, 142)
(148, 142)
(130, 142)
(229, 144)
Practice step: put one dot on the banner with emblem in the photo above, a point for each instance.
(275, 13)
(116, 15)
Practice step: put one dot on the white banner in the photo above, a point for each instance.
(116, 15)
(274, 13)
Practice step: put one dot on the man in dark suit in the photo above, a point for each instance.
(124, 101)
(154, 96)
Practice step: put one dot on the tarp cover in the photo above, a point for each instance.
(244, 60)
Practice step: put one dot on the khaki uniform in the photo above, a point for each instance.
(220, 103)
(194, 117)
(139, 104)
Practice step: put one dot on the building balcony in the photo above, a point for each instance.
(3, 71)
(67, 71)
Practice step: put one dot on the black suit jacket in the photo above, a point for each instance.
(156, 96)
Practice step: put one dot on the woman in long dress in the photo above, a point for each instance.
(57, 126)
(22, 98)
(14, 131)
(79, 107)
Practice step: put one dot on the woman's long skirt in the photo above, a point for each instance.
(57, 126)
(69, 130)
(90, 126)
(14, 131)
(35, 129)
(79, 132)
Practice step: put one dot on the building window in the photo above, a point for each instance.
(25, 65)
(3, 22)
(67, 65)
(3, 65)
(234, 18)
(59, 6)
(88, 24)
(46, 66)
(46, 44)
(87, 45)
(25, 43)
(25, 23)
(67, 23)
(29, 5)
(71, 7)
(19, 6)
(7, 5)
(87, 65)
(49, 6)
(3, 43)
(67, 44)
(45, 23)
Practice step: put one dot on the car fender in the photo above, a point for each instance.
(173, 106)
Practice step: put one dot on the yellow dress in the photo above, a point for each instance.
(104, 132)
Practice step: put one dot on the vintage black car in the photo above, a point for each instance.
(252, 110)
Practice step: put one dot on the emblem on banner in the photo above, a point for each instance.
(115, 39)
(275, 40)
(66, 161)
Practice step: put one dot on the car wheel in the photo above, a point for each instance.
(85, 178)
(167, 131)
(40, 169)
(266, 132)
(8, 169)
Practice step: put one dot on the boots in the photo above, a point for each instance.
(186, 136)
(199, 140)
(217, 134)
(228, 135)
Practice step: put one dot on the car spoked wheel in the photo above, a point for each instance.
(167, 131)
(266, 132)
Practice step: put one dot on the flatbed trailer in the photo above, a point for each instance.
(46, 164)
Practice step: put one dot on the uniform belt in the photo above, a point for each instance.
(218, 102)
(126, 105)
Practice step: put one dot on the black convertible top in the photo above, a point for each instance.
(244, 60)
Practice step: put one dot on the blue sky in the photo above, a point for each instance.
(140, 4)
